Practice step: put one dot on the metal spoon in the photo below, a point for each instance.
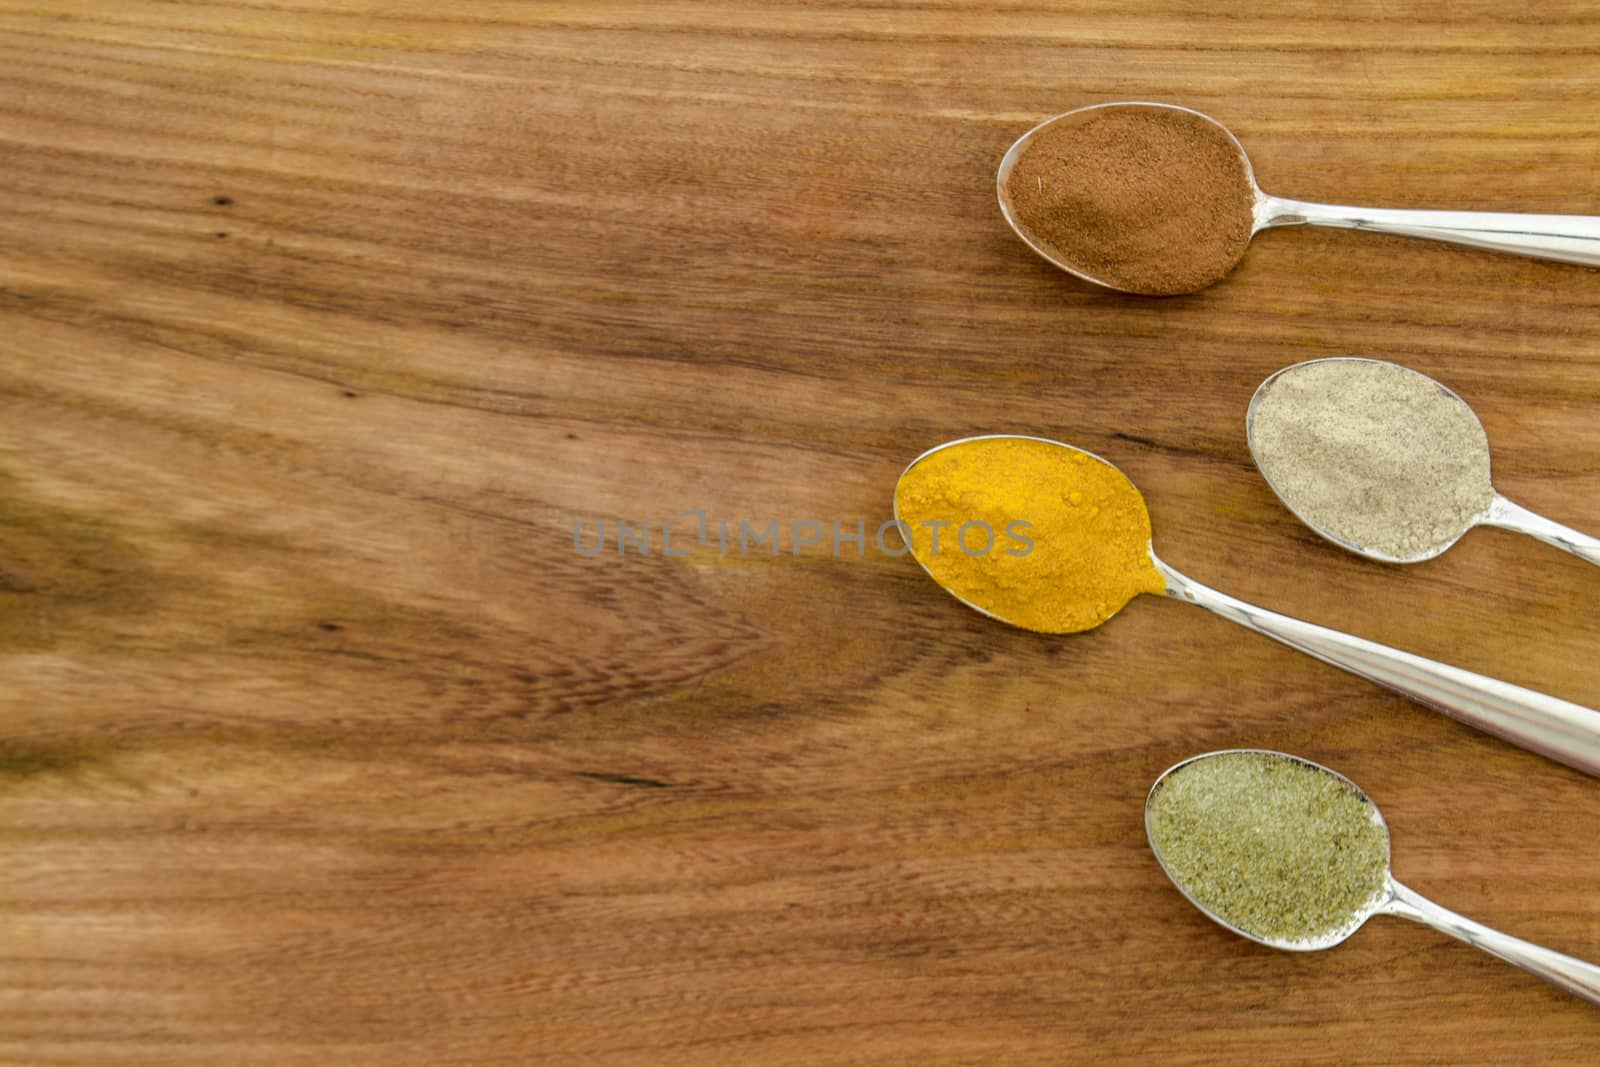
(1566, 732)
(1573, 975)
(1498, 511)
(1570, 238)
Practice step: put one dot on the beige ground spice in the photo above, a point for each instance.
(1151, 200)
(1373, 454)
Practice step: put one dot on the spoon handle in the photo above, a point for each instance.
(1567, 733)
(1571, 238)
(1574, 975)
(1510, 516)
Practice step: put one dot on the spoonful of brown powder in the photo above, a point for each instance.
(1160, 199)
(1147, 198)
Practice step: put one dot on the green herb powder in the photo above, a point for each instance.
(1279, 849)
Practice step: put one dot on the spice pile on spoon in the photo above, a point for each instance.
(1086, 527)
(1272, 846)
(1152, 200)
(1384, 461)
(1159, 200)
(1088, 553)
(1290, 854)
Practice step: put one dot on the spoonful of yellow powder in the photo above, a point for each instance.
(1051, 538)
(1072, 533)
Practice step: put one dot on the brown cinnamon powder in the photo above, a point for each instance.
(1151, 200)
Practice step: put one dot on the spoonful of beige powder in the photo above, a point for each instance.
(1384, 461)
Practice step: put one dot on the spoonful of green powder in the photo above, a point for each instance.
(1384, 461)
(1290, 854)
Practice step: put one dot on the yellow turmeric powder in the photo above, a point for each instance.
(1068, 536)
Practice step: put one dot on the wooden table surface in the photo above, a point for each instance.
(323, 325)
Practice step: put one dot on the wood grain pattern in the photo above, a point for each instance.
(324, 323)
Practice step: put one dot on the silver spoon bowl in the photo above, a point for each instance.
(1569, 238)
(1573, 975)
(1499, 511)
